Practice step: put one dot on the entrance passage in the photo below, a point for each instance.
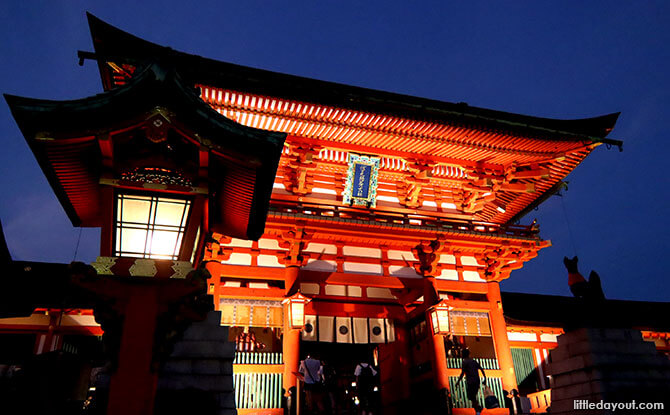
(340, 361)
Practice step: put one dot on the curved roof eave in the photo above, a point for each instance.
(50, 126)
(154, 87)
(112, 43)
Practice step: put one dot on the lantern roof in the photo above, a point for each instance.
(153, 126)
(297, 297)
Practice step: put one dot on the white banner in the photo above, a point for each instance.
(360, 330)
(309, 331)
(377, 329)
(343, 329)
(326, 329)
(390, 331)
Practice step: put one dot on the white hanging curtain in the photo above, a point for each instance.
(360, 330)
(310, 329)
(326, 329)
(377, 330)
(343, 329)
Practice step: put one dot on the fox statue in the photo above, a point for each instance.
(590, 290)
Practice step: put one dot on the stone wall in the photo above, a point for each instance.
(198, 376)
(613, 365)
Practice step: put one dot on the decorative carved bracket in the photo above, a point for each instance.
(483, 184)
(295, 241)
(500, 262)
(157, 125)
(213, 249)
(299, 178)
(418, 175)
(428, 254)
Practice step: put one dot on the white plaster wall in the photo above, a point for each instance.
(238, 259)
(548, 337)
(472, 276)
(521, 337)
(401, 255)
(447, 259)
(377, 292)
(469, 260)
(240, 243)
(320, 265)
(363, 268)
(309, 288)
(321, 248)
(448, 274)
(400, 271)
(362, 252)
(268, 261)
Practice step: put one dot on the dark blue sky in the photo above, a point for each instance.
(550, 59)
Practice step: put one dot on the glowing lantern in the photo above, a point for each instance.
(296, 309)
(150, 227)
(439, 317)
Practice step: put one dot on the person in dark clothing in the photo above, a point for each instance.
(365, 382)
(470, 370)
(509, 404)
(490, 399)
(312, 371)
(330, 385)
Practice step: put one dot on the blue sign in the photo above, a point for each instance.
(361, 187)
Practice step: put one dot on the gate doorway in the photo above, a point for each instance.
(340, 361)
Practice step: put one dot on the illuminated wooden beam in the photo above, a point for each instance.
(531, 174)
(518, 187)
(245, 271)
(251, 293)
(348, 309)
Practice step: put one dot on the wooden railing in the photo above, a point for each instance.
(258, 390)
(400, 218)
(540, 401)
(459, 397)
(486, 364)
(257, 358)
(257, 380)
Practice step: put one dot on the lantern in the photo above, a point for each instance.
(150, 226)
(296, 309)
(439, 317)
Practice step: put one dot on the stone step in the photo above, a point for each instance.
(198, 331)
(217, 383)
(204, 349)
(198, 366)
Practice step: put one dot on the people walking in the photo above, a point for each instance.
(330, 386)
(365, 383)
(312, 371)
(470, 370)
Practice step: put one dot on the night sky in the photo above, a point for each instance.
(549, 59)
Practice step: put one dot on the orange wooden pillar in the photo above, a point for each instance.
(138, 301)
(290, 278)
(394, 365)
(439, 353)
(51, 338)
(499, 329)
(291, 339)
(439, 357)
(133, 386)
(214, 283)
(291, 352)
